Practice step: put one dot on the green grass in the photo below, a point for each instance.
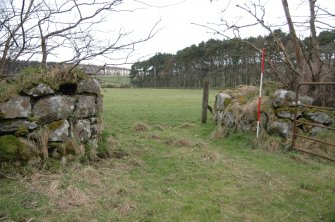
(114, 81)
(174, 171)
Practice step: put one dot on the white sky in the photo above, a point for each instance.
(176, 28)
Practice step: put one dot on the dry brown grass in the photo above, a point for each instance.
(249, 110)
(141, 127)
(155, 137)
(73, 197)
(246, 90)
(183, 143)
(125, 208)
(211, 157)
(187, 126)
(112, 142)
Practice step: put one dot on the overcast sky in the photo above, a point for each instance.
(176, 30)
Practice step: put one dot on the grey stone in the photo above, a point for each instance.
(96, 129)
(228, 119)
(11, 126)
(82, 130)
(320, 117)
(283, 129)
(287, 113)
(246, 125)
(61, 133)
(89, 86)
(220, 99)
(16, 107)
(316, 130)
(85, 106)
(53, 108)
(287, 98)
(41, 89)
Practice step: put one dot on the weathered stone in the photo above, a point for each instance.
(16, 107)
(246, 125)
(316, 130)
(89, 86)
(85, 106)
(59, 130)
(11, 126)
(320, 117)
(281, 128)
(222, 100)
(93, 120)
(96, 129)
(287, 98)
(82, 130)
(41, 89)
(228, 119)
(54, 108)
(287, 113)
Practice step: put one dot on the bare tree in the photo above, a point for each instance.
(303, 61)
(14, 38)
(68, 25)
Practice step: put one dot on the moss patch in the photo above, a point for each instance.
(55, 125)
(11, 148)
(21, 131)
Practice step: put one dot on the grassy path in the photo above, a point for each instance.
(174, 171)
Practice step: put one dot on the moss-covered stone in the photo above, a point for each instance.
(33, 118)
(11, 148)
(21, 131)
(55, 125)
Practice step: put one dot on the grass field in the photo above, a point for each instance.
(114, 81)
(173, 170)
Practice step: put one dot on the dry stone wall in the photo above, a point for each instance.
(42, 122)
(237, 110)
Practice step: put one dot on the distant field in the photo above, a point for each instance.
(169, 167)
(114, 81)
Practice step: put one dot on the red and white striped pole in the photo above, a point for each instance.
(260, 93)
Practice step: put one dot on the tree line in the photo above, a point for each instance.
(227, 63)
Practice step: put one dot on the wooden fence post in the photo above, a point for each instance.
(205, 93)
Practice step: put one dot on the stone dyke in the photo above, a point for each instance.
(41, 122)
(237, 110)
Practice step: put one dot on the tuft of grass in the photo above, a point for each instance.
(31, 76)
(141, 127)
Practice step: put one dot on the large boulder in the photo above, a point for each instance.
(89, 86)
(81, 130)
(279, 127)
(41, 89)
(85, 106)
(59, 130)
(16, 107)
(222, 100)
(53, 108)
(287, 98)
(288, 112)
(11, 126)
(320, 116)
